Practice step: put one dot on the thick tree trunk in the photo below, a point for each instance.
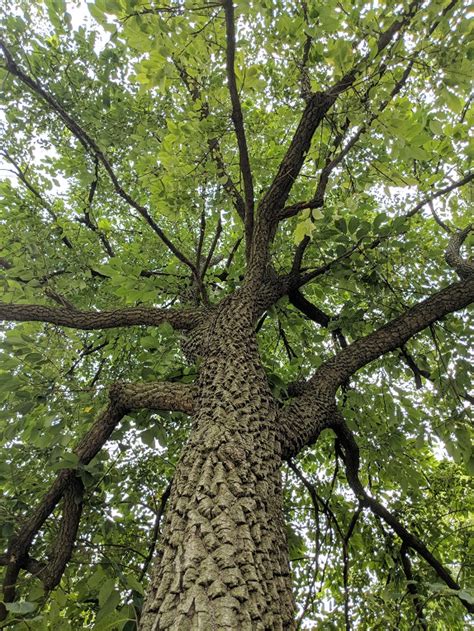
(223, 561)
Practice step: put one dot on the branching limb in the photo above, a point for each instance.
(157, 395)
(90, 145)
(123, 398)
(302, 422)
(394, 334)
(463, 267)
(212, 249)
(411, 586)
(418, 373)
(352, 463)
(89, 222)
(156, 531)
(238, 119)
(315, 314)
(213, 143)
(20, 544)
(90, 320)
(313, 409)
(317, 106)
(345, 571)
(307, 276)
(66, 536)
(30, 565)
(305, 81)
(332, 162)
(318, 200)
(439, 193)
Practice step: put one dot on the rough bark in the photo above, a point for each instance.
(89, 320)
(314, 409)
(223, 560)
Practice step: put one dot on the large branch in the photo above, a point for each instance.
(393, 334)
(317, 106)
(313, 409)
(352, 463)
(238, 119)
(335, 159)
(20, 544)
(157, 395)
(316, 314)
(464, 267)
(90, 144)
(123, 398)
(89, 320)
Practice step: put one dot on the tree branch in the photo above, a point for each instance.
(212, 249)
(305, 81)
(464, 267)
(66, 537)
(238, 119)
(157, 395)
(317, 106)
(393, 334)
(306, 277)
(213, 143)
(89, 144)
(20, 544)
(156, 531)
(123, 398)
(351, 460)
(442, 191)
(315, 314)
(34, 191)
(89, 222)
(318, 200)
(411, 586)
(313, 409)
(90, 320)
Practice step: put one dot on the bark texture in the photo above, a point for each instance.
(89, 320)
(223, 561)
(223, 558)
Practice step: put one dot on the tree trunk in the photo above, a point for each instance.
(223, 561)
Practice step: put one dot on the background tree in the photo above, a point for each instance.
(231, 260)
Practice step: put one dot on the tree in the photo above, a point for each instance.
(234, 299)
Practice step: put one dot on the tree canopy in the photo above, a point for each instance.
(155, 156)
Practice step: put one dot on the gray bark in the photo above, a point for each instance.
(223, 561)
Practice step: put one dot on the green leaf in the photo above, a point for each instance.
(436, 127)
(105, 591)
(303, 229)
(21, 608)
(467, 596)
(133, 583)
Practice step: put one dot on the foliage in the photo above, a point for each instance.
(150, 88)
